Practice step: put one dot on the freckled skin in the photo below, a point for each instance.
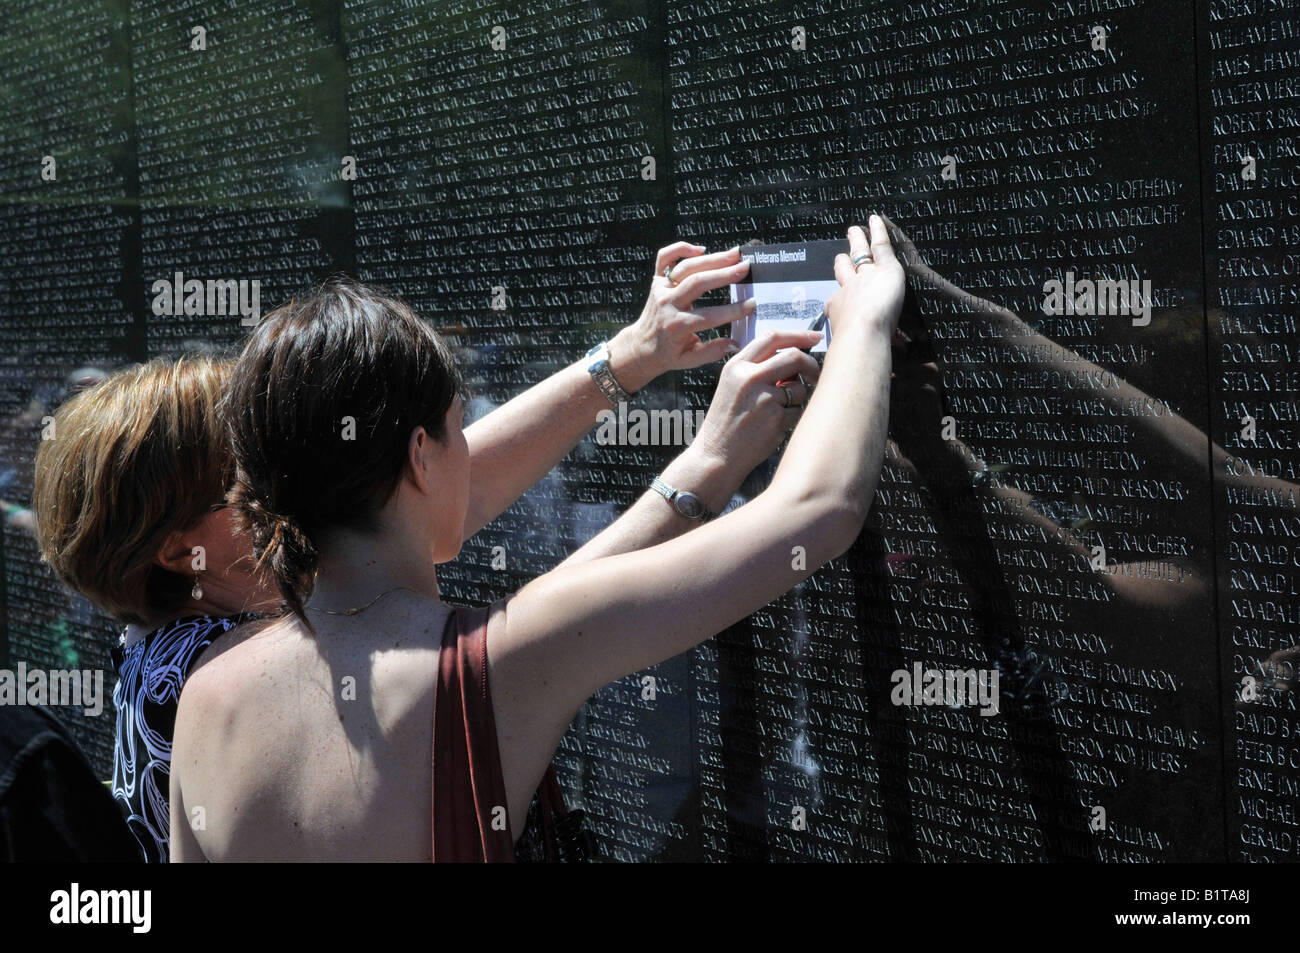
(304, 782)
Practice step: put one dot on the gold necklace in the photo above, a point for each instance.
(361, 608)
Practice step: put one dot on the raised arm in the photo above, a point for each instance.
(579, 627)
(1186, 442)
(743, 428)
(518, 443)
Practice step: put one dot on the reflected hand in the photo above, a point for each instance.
(916, 411)
(915, 403)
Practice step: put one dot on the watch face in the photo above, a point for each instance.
(689, 505)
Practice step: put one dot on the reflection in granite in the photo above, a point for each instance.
(1090, 486)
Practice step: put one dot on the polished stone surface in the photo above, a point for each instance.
(1090, 489)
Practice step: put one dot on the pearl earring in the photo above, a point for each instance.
(197, 592)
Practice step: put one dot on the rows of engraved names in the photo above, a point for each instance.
(1255, 168)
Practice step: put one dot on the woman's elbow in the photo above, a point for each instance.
(831, 519)
(844, 526)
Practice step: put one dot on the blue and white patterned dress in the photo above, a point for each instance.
(151, 672)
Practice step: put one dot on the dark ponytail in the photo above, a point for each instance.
(321, 406)
(279, 546)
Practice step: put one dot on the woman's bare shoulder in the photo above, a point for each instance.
(248, 644)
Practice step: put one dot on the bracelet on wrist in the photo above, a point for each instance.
(685, 502)
(602, 373)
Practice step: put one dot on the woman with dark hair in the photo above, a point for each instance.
(130, 503)
(375, 721)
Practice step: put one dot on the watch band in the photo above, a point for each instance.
(603, 375)
(685, 502)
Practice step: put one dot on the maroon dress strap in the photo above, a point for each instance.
(470, 819)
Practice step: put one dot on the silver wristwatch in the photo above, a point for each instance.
(685, 502)
(601, 373)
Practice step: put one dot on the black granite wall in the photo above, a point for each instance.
(1098, 501)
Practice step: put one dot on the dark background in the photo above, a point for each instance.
(522, 168)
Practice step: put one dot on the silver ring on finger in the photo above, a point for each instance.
(789, 398)
(859, 260)
(668, 273)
